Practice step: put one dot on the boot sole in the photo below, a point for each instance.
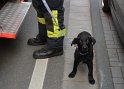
(49, 56)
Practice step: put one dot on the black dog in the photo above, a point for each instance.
(84, 53)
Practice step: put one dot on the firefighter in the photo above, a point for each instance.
(51, 32)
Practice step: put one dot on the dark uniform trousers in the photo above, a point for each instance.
(51, 29)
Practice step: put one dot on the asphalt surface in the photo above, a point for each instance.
(16, 61)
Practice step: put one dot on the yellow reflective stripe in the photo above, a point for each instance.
(56, 34)
(55, 13)
(41, 20)
(57, 31)
(55, 20)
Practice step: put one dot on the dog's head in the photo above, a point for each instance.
(84, 42)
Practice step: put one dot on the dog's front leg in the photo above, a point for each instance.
(74, 71)
(90, 74)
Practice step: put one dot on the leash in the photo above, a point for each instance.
(50, 12)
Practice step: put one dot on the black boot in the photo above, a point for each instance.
(47, 53)
(37, 41)
(54, 47)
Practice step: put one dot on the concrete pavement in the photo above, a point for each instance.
(79, 20)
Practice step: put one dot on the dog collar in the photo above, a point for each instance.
(83, 53)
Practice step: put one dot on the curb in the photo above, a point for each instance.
(102, 58)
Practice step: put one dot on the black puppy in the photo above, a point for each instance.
(84, 53)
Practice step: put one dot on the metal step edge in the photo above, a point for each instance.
(11, 18)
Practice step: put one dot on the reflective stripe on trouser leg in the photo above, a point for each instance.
(57, 32)
(42, 27)
(41, 20)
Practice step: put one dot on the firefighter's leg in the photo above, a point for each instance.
(55, 33)
(41, 37)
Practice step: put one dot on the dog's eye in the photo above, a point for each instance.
(81, 42)
(87, 41)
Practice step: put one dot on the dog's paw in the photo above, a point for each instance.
(71, 75)
(91, 80)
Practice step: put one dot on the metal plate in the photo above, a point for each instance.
(12, 16)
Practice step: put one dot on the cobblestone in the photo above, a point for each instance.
(115, 50)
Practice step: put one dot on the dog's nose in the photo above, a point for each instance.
(84, 47)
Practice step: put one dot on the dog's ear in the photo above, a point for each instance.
(75, 41)
(92, 40)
